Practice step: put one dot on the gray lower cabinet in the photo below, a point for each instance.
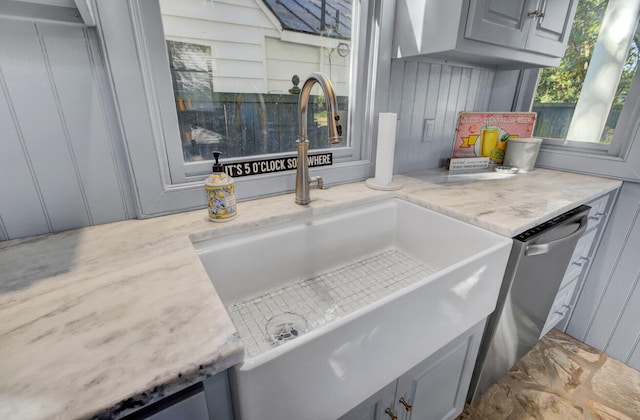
(580, 262)
(193, 407)
(208, 400)
(434, 389)
(374, 407)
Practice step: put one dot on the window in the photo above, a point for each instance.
(133, 37)
(237, 68)
(582, 99)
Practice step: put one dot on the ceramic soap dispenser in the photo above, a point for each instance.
(221, 193)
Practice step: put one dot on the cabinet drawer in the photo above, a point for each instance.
(598, 211)
(561, 306)
(580, 257)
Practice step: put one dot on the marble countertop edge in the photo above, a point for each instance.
(229, 355)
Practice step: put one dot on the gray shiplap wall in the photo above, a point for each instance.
(62, 162)
(423, 90)
(607, 313)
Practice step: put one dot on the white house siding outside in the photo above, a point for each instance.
(248, 50)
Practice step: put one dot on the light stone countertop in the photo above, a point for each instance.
(501, 203)
(97, 319)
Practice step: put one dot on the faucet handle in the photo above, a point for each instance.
(316, 182)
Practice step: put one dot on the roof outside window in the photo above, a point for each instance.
(306, 16)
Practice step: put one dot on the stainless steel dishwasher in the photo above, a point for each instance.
(537, 263)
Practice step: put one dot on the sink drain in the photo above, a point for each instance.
(285, 327)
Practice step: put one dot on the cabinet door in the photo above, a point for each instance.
(550, 33)
(218, 394)
(374, 407)
(437, 387)
(500, 22)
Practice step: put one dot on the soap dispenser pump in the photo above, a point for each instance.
(221, 193)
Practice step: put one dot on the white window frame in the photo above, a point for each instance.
(616, 160)
(134, 47)
(182, 171)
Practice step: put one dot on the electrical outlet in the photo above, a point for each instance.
(427, 133)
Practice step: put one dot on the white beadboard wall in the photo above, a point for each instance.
(422, 90)
(62, 160)
(607, 313)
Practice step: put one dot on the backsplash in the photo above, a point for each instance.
(420, 91)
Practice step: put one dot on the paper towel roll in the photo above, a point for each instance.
(386, 146)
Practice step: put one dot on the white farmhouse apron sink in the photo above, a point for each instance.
(333, 307)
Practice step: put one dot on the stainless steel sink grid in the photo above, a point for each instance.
(326, 297)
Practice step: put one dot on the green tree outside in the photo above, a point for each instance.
(562, 84)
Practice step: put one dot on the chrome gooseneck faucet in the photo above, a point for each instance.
(304, 183)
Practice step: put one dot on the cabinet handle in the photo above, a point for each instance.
(563, 310)
(406, 405)
(580, 261)
(541, 8)
(391, 414)
(543, 11)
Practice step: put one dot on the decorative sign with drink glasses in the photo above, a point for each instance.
(486, 134)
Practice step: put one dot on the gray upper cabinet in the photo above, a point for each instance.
(499, 22)
(550, 32)
(503, 33)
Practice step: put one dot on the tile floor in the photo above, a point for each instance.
(562, 378)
